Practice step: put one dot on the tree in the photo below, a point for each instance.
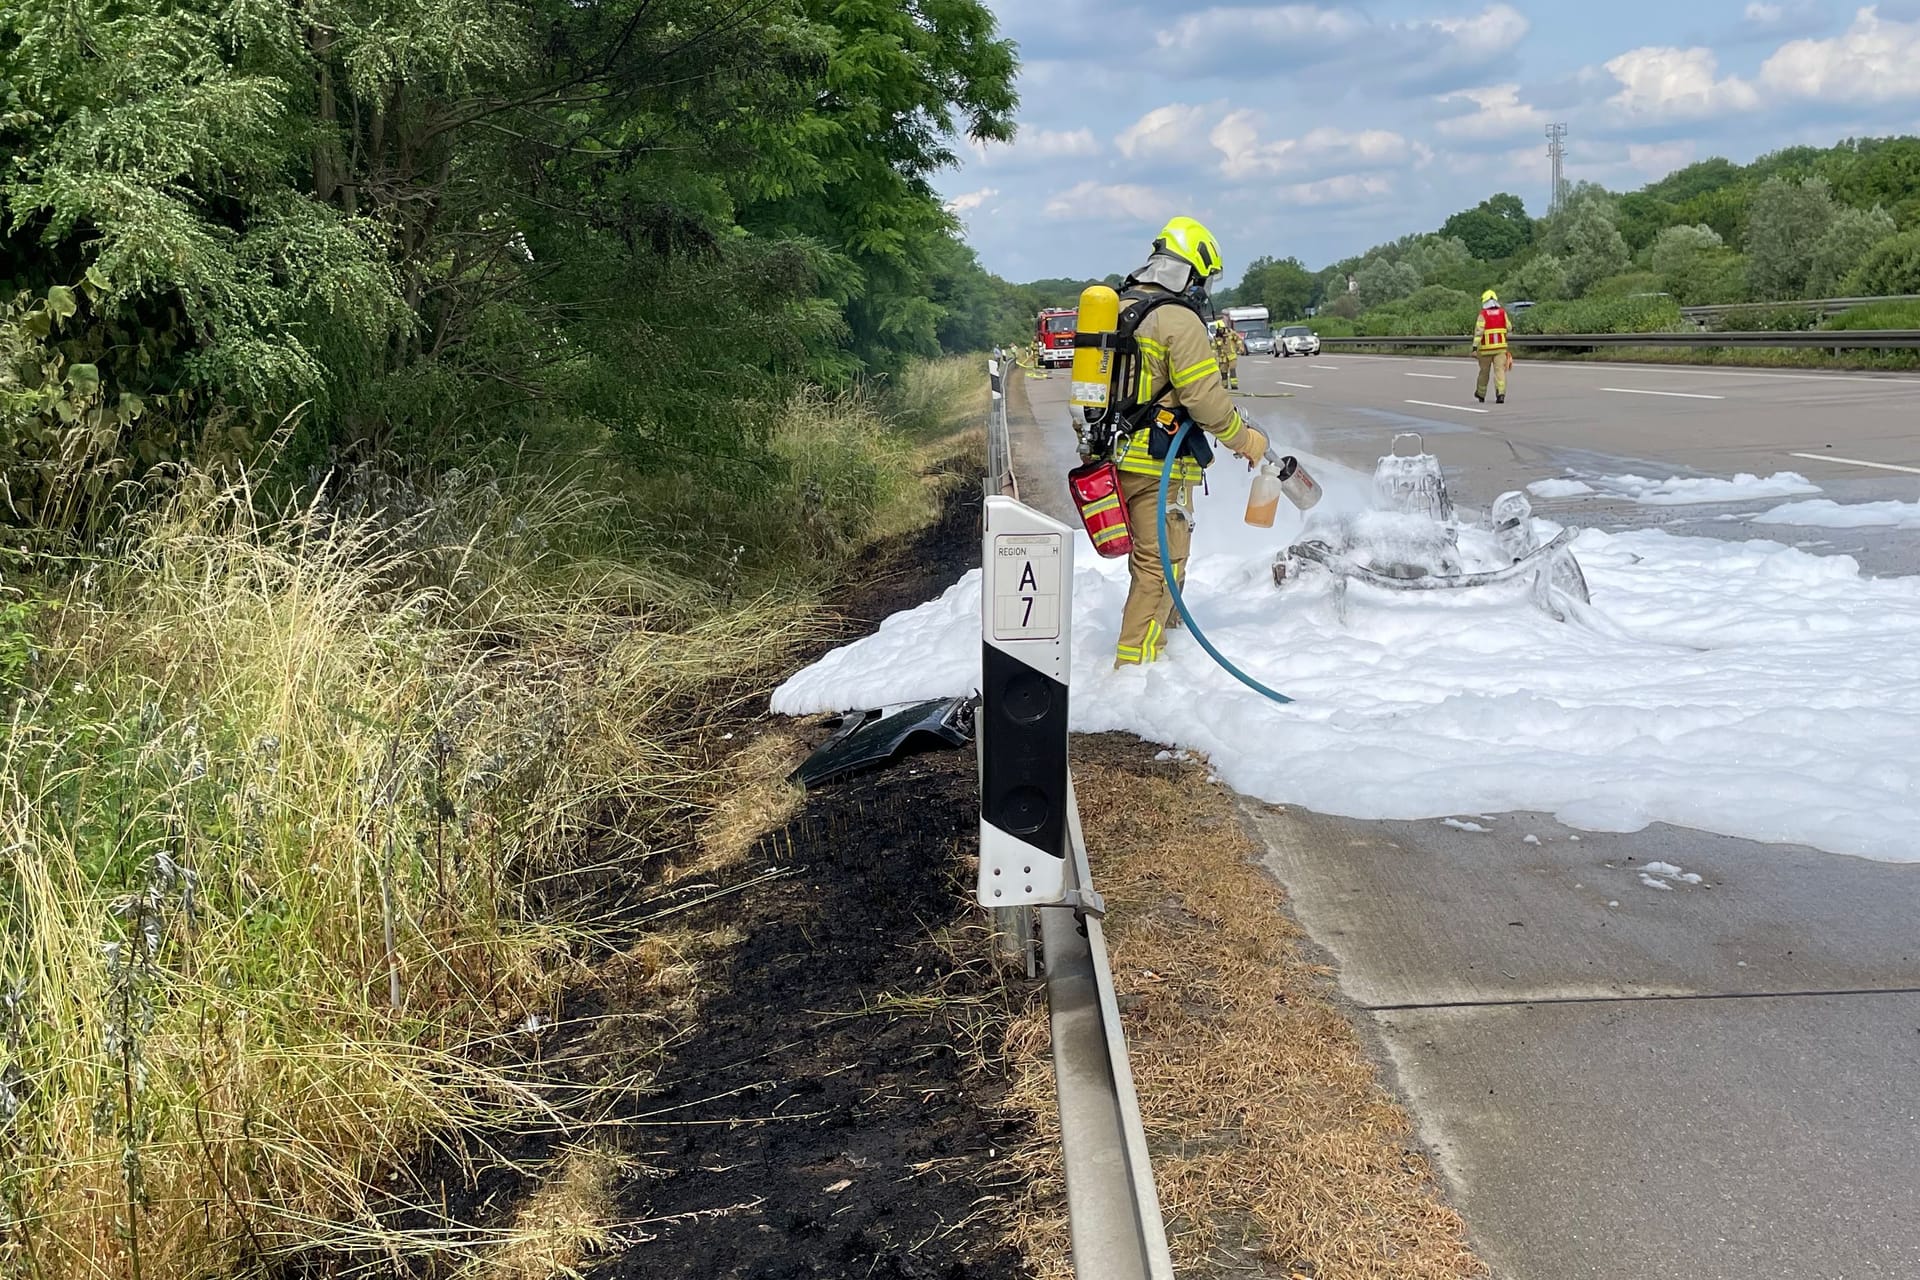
(1641, 217)
(1542, 278)
(1695, 266)
(1498, 227)
(1845, 246)
(449, 212)
(1437, 256)
(1283, 286)
(1677, 248)
(1696, 179)
(1891, 267)
(1784, 226)
(1594, 248)
(1382, 281)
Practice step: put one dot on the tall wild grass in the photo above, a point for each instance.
(287, 795)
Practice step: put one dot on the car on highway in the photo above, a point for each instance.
(1260, 342)
(1297, 340)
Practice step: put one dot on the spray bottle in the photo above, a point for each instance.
(1279, 474)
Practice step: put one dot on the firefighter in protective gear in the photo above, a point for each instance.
(1490, 348)
(1180, 374)
(1228, 346)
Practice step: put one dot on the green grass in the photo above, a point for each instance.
(288, 796)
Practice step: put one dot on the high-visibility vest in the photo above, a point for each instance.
(1493, 324)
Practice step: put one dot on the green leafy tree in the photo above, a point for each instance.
(1676, 248)
(1845, 246)
(1696, 267)
(1283, 286)
(1382, 281)
(1437, 256)
(1785, 224)
(1890, 267)
(1498, 227)
(1542, 278)
(1594, 248)
(1641, 217)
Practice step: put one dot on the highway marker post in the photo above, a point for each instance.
(1026, 647)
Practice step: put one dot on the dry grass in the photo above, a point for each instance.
(562, 1225)
(1277, 1151)
(286, 807)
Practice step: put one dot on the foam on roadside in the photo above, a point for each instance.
(1746, 688)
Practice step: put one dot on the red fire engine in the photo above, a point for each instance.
(1053, 334)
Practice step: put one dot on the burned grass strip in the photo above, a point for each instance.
(1276, 1150)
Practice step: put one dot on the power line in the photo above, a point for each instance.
(1557, 150)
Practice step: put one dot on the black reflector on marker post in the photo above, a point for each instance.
(1026, 646)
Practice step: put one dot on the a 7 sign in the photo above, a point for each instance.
(1026, 586)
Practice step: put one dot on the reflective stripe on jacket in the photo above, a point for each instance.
(1490, 330)
(1177, 360)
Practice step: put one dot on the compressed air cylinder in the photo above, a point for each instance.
(1093, 359)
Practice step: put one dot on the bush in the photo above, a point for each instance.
(1877, 315)
(1768, 320)
(1626, 285)
(1601, 315)
(1891, 267)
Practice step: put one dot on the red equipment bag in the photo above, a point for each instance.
(1096, 492)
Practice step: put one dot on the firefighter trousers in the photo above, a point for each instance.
(1230, 370)
(1143, 624)
(1491, 362)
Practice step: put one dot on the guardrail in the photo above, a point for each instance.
(1112, 1206)
(1824, 306)
(1000, 478)
(1835, 340)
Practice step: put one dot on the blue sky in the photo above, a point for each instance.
(1318, 129)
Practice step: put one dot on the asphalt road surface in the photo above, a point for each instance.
(1718, 1083)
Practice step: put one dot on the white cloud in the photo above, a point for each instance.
(1163, 131)
(1664, 84)
(1495, 29)
(1244, 155)
(1499, 114)
(1347, 188)
(971, 200)
(1107, 202)
(1055, 144)
(1292, 24)
(1765, 15)
(1658, 159)
(1309, 29)
(1874, 60)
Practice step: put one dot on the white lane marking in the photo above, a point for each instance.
(1681, 395)
(1304, 386)
(1448, 376)
(1857, 462)
(1690, 370)
(1323, 366)
(1461, 407)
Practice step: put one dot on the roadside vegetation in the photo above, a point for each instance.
(1802, 223)
(414, 427)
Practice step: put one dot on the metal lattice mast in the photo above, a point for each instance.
(1557, 151)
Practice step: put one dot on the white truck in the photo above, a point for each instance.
(1248, 320)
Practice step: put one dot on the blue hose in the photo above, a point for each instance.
(1173, 583)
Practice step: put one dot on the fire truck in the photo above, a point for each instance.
(1053, 334)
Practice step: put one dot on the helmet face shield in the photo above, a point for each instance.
(1193, 244)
